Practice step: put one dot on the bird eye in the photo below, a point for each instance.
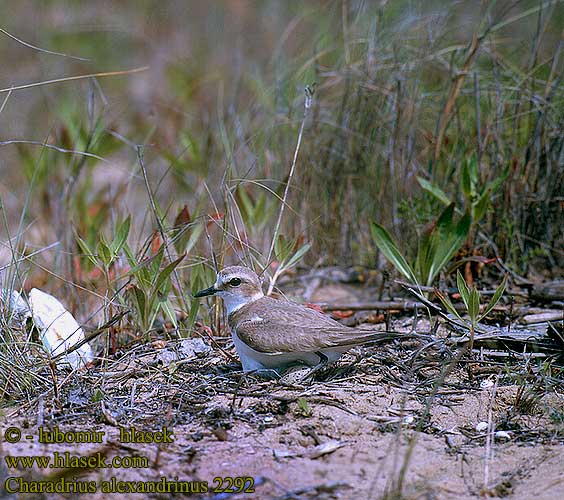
(235, 282)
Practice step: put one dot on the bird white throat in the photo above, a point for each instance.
(272, 334)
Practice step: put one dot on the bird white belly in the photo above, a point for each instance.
(256, 360)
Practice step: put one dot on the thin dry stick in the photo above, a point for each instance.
(71, 78)
(43, 144)
(39, 49)
(4, 102)
(489, 438)
(307, 105)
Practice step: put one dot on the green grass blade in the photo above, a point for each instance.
(86, 250)
(297, 256)
(463, 289)
(495, 299)
(474, 306)
(166, 272)
(388, 247)
(121, 236)
(447, 240)
(436, 191)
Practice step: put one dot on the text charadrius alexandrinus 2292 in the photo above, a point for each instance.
(272, 334)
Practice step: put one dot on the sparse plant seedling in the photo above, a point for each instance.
(471, 298)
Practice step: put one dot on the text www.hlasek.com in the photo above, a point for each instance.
(66, 460)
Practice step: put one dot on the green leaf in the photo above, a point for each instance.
(169, 312)
(247, 205)
(193, 314)
(448, 304)
(495, 299)
(155, 262)
(436, 191)
(166, 272)
(86, 250)
(481, 206)
(97, 396)
(297, 256)
(121, 236)
(390, 250)
(139, 270)
(140, 300)
(463, 289)
(465, 182)
(474, 172)
(281, 248)
(474, 306)
(104, 252)
(132, 261)
(445, 241)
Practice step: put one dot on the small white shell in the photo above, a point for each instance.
(481, 426)
(59, 329)
(486, 384)
(502, 435)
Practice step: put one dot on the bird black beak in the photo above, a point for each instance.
(208, 291)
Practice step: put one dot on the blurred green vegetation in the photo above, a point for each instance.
(405, 90)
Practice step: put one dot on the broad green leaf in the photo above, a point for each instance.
(155, 262)
(446, 241)
(465, 182)
(139, 270)
(297, 256)
(166, 272)
(474, 172)
(281, 248)
(436, 191)
(140, 300)
(474, 306)
(86, 250)
(444, 222)
(426, 249)
(390, 250)
(495, 299)
(121, 236)
(104, 252)
(277, 246)
(247, 205)
(463, 289)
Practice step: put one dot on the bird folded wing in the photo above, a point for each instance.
(284, 338)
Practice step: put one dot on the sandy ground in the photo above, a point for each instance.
(346, 438)
(384, 419)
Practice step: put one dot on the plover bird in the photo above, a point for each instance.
(272, 334)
